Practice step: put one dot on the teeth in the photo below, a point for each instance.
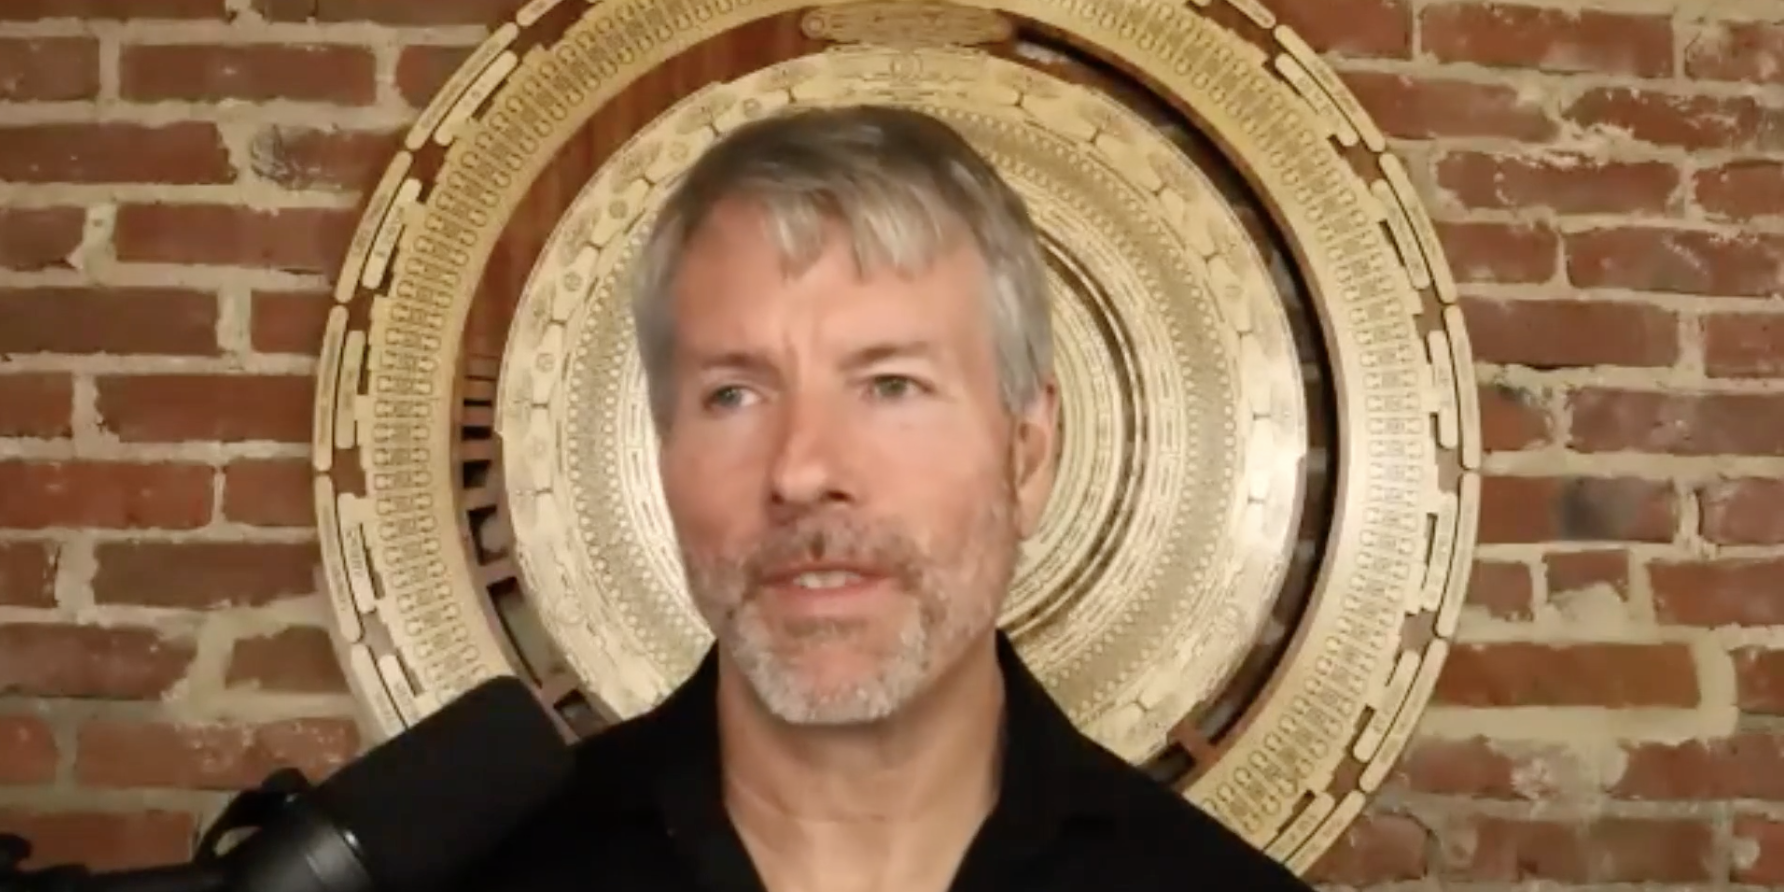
(828, 579)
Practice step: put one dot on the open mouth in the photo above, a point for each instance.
(823, 583)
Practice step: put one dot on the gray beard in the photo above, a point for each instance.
(944, 619)
(898, 679)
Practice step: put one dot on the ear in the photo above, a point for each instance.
(1035, 457)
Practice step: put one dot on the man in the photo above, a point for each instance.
(844, 320)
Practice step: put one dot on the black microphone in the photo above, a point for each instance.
(405, 817)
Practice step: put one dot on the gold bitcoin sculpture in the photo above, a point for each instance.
(1179, 388)
(916, 23)
(496, 511)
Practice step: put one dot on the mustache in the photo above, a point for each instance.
(849, 540)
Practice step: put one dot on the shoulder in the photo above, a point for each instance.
(618, 764)
(1161, 834)
(1179, 839)
(604, 808)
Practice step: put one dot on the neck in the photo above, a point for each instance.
(877, 802)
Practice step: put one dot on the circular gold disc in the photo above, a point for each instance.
(1182, 406)
(1255, 555)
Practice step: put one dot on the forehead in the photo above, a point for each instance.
(745, 272)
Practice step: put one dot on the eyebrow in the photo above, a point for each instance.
(872, 354)
(736, 360)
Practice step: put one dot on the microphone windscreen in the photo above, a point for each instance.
(437, 797)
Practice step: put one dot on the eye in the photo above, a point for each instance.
(893, 387)
(730, 396)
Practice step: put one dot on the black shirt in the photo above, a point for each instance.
(644, 812)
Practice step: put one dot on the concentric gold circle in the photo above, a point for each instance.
(453, 556)
(1150, 576)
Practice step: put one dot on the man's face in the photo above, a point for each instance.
(847, 488)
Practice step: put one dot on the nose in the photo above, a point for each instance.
(810, 468)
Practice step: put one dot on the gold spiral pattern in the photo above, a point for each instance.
(1149, 577)
(1183, 425)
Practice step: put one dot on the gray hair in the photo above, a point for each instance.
(899, 182)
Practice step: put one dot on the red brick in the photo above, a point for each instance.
(1685, 261)
(208, 757)
(75, 319)
(1595, 850)
(1423, 108)
(1742, 511)
(1375, 849)
(1759, 682)
(1482, 769)
(26, 10)
(1471, 768)
(185, 153)
(1743, 345)
(1566, 182)
(28, 752)
(305, 240)
(90, 662)
(390, 12)
(39, 238)
(1749, 52)
(422, 70)
(104, 495)
(1741, 190)
(286, 10)
(289, 321)
(1758, 851)
(1613, 675)
(1749, 765)
(1525, 37)
(204, 575)
(1607, 420)
(1576, 509)
(1503, 590)
(1679, 119)
(103, 841)
(1551, 334)
(297, 660)
(226, 408)
(269, 493)
(48, 69)
(1512, 418)
(1350, 27)
(339, 160)
(343, 75)
(1733, 592)
(1580, 571)
(28, 574)
(1499, 252)
(36, 405)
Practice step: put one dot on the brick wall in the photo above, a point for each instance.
(176, 189)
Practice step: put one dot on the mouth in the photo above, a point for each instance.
(808, 580)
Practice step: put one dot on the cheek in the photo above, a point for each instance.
(708, 496)
(959, 461)
(944, 487)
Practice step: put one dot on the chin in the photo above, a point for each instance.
(829, 706)
(831, 684)
(831, 666)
